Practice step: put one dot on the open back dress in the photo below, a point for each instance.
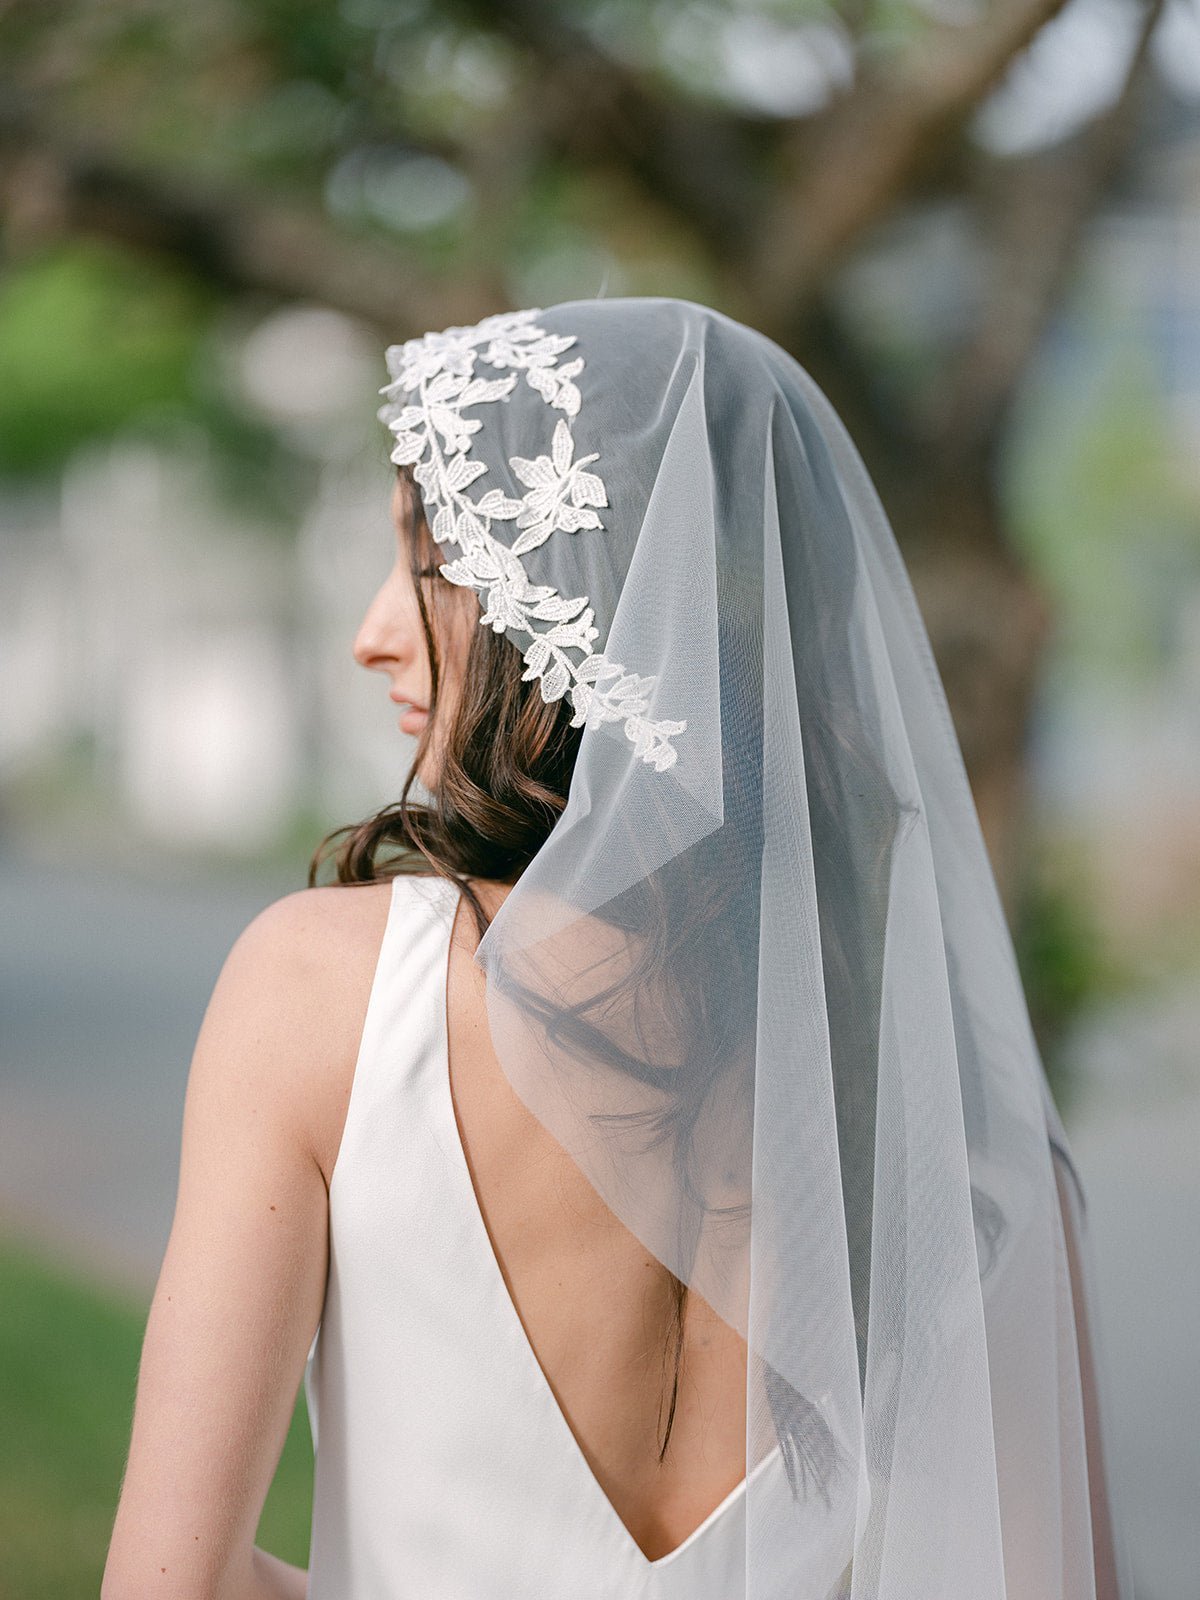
(445, 1468)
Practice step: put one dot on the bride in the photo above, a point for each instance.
(640, 1154)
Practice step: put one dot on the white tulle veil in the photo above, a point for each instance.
(758, 981)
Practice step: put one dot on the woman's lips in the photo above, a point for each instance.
(415, 717)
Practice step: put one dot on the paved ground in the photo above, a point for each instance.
(1137, 1143)
(103, 982)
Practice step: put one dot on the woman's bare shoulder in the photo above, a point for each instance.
(315, 951)
(333, 927)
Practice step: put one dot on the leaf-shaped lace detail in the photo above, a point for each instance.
(433, 380)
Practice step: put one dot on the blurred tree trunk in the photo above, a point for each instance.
(988, 620)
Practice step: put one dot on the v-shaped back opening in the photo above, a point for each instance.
(561, 1434)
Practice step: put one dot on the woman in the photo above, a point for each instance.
(641, 1153)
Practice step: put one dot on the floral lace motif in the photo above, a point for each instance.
(433, 383)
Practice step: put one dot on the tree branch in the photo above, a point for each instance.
(851, 163)
(706, 164)
(236, 238)
(1042, 204)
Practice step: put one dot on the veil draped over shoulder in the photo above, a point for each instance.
(758, 981)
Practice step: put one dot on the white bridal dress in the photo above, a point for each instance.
(445, 1469)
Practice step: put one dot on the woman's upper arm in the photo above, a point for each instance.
(242, 1282)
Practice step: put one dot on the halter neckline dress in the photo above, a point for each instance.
(444, 1467)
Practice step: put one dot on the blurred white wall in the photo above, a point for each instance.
(202, 662)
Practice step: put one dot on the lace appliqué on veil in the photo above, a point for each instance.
(433, 383)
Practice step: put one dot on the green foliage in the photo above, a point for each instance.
(96, 342)
(68, 1370)
(1065, 963)
(1097, 507)
(91, 340)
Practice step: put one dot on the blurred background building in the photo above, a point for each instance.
(976, 222)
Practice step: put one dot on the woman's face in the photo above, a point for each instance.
(391, 640)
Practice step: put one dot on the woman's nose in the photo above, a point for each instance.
(372, 639)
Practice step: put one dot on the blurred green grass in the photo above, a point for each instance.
(69, 1353)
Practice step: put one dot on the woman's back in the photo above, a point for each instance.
(494, 1349)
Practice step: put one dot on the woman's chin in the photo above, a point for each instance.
(427, 771)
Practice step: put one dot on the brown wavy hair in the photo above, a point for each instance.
(506, 759)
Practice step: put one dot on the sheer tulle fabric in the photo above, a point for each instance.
(767, 997)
